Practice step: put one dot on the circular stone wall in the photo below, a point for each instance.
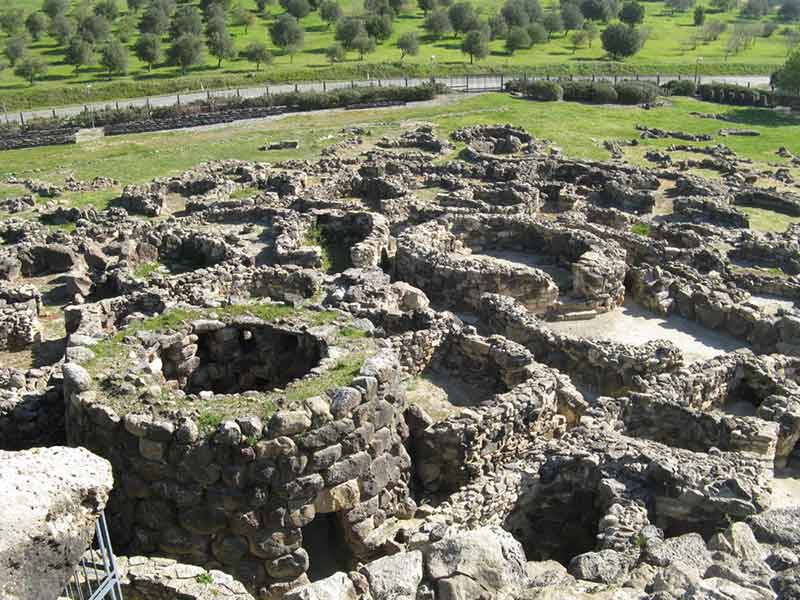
(239, 491)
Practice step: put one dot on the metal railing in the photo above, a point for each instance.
(96, 576)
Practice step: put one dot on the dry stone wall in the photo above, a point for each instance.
(238, 496)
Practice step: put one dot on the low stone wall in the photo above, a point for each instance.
(427, 256)
(606, 366)
(30, 419)
(710, 210)
(19, 317)
(768, 384)
(647, 416)
(779, 250)
(143, 200)
(614, 194)
(366, 233)
(239, 495)
(716, 306)
(95, 319)
(449, 453)
(33, 138)
(780, 202)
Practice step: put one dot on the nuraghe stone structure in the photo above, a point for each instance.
(351, 378)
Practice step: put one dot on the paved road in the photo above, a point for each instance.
(459, 83)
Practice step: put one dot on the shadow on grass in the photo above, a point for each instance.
(451, 45)
(52, 52)
(54, 77)
(761, 117)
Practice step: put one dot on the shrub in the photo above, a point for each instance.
(544, 91)
(577, 91)
(604, 93)
(636, 92)
(770, 27)
(682, 87)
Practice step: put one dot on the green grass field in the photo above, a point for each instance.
(578, 129)
(667, 50)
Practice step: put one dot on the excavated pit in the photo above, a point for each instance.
(556, 524)
(442, 392)
(241, 358)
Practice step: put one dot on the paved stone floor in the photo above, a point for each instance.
(631, 324)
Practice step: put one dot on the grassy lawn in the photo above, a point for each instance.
(767, 220)
(667, 50)
(578, 129)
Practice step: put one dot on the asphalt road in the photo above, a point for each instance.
(460, 83)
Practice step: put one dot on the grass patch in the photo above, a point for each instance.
(68, 227)
(352, 332)
(243, 193)
(204, 578)
(641, 229)
(342, 374)
(146, 270)
(323, 317)
(334, 253)
(767, 220)
(776, 272)
(209, 421)
(267, 312)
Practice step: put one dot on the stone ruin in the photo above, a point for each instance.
(390, 374)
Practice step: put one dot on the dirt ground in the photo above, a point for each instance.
(631, 324)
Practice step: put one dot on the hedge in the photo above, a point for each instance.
(637, 92)
(726, 93)
(680, 87)
(297, 101)
(543, 90)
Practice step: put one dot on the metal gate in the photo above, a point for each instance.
(96, 576)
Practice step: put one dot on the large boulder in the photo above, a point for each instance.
(605, 566)
(778, 526)
(485, 560)
(395, 577)
(336, 587)
(51, 500)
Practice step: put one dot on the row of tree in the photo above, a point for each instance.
(182, 34)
